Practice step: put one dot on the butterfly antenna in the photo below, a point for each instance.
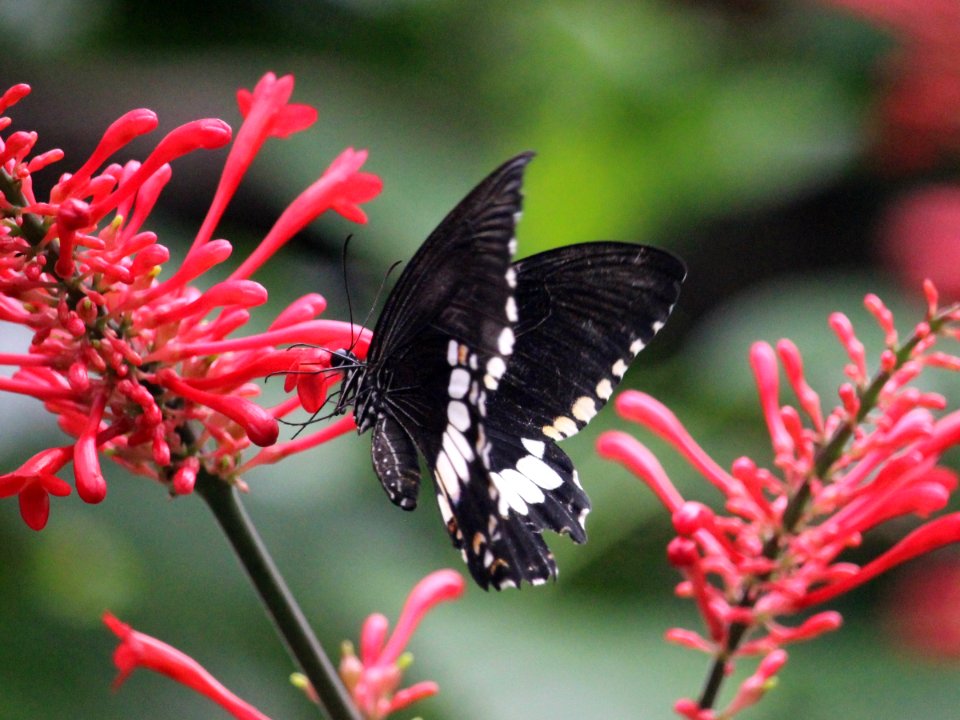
(346, 288)
(376, 299)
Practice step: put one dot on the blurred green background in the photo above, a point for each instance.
(746, 136)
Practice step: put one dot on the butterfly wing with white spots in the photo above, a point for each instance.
(585, 311)
(481, 364)
(440, 344)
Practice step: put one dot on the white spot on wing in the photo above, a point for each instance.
(509, 498)
(456, 458)
(584, 409)
(604, 389)
(511, 277)
(563, 427)
(551, 432)
(505, 341)
(445, 512)
(458, 415)
(636, 346)
(518, 490)
(452, 352)
(534, 447)
(447, 476)
(459, 442)
(657, 326)
(512, 315)
(619, 368)
(459, 383)
(539, 472)
(496, 366)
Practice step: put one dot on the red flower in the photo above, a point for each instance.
(778, 548)
(374, 676)
(145, 370)
(138, 650)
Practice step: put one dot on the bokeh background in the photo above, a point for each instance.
(797, 154)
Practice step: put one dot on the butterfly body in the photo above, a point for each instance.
(479, 364)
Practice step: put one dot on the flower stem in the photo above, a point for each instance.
(32, 226)
(279, 603)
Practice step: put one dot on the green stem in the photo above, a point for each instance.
(278, 602)
(32, 226)
(823, 461)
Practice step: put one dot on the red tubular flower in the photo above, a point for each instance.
(149, 371)
(374, 676)
(139, 650)
(778, 549)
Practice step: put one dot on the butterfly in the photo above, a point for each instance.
(481, 365)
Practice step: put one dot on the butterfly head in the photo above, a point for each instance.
(353, 391)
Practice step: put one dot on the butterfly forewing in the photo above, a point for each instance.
(443, 341)
(459, 272)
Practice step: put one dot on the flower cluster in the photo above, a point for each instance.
(778, 548)
(374, 677)
(142, 368)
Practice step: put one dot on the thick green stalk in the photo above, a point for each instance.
(278, 602)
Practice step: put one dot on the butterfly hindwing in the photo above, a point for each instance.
(585, 312)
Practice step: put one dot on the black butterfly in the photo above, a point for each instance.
(481, 364)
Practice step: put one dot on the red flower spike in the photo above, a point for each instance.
(207, 134)
(265, 113)
(306, 308)
(757, 685)
(120, 133)
(72, 216)
(277, 452)
(641, 462)
(777, 548)
(642, 408)
(125, 361)
(927, 538)
(282, 120)
(793, 367)
(139, 650)
(41, 161)
(373, 678)
(764, 364)
(91, 486)
(13, 95)
(693, 516)
(930, 293)
(844, 330)
(883, 316)
(185, 478)
(340, 188)
(259, 425)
